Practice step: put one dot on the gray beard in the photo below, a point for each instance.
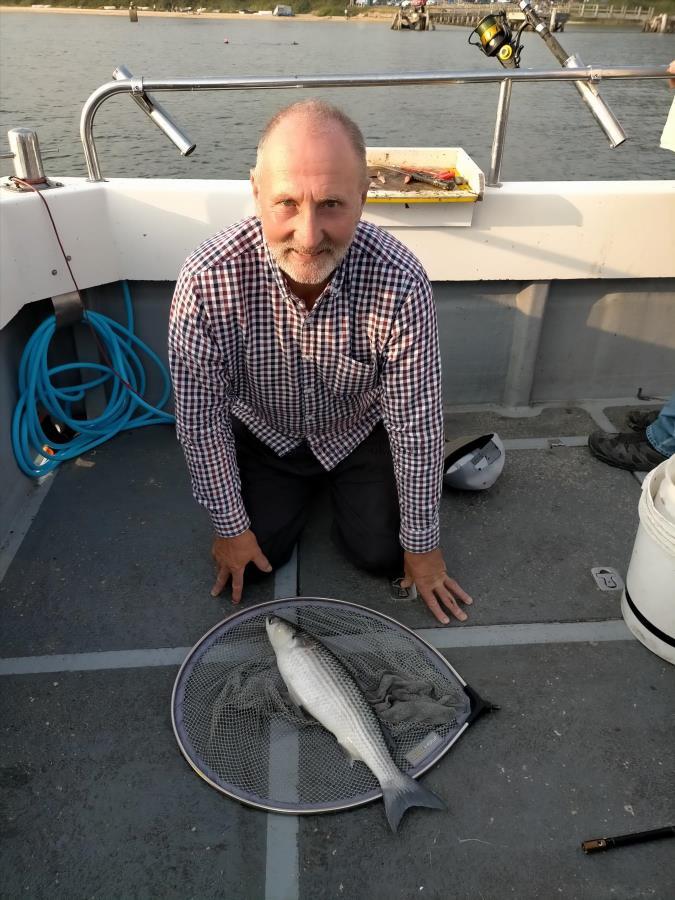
(317, 271)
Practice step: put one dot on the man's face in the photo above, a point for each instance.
(309, 190)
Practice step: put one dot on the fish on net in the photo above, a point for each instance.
(238, 727)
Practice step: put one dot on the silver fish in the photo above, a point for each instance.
(318, 681)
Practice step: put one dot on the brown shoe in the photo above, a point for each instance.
(631, 451)
(640, 419)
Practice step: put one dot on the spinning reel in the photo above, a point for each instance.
(497, 38)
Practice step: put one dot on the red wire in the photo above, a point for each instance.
(27, 184)
(101, 348)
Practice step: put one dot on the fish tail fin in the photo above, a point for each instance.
(403, 792)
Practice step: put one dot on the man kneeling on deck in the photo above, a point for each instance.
(304, 348)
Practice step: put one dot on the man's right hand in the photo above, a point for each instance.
(232, 555)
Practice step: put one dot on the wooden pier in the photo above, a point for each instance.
(662, 23)
(556, 15)
(470, 14)
(411, 19)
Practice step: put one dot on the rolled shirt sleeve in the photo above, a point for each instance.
(201, 386)
(412, 410)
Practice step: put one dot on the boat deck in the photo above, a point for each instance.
(109, 587)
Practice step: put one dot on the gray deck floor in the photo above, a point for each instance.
(98, 801)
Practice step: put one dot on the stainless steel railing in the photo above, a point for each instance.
(143, 86)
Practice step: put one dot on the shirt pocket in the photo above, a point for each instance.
(345, 377)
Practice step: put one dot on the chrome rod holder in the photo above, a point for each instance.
(25, 150)
(155, 112)
(602, 114)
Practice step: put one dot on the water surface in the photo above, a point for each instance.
(50, 63)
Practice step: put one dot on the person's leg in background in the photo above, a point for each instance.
(661, 433)
(646, 447)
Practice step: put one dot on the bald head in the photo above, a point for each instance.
(310, 119)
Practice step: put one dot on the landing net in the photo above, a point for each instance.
(240, 731)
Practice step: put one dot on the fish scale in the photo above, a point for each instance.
(320, 683)
(347, 715)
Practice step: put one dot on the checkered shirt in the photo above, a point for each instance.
(241, 343)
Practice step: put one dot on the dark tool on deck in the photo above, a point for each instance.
(445, 184)
(597, 845)
(445, 181)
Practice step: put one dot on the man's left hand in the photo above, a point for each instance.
(428, 573)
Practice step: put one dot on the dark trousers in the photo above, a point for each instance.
(278, 490)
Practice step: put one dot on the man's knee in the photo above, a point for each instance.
(377, 555)
(381, 561)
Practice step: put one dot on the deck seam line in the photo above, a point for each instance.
(442, 638)
(545, 443)
(524, 634)
(282, 851)
(597, 412)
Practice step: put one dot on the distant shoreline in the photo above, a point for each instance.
(165, 14)
(376, 16)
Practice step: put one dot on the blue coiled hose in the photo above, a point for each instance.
(39, 396)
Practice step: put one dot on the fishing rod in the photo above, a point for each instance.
(497, 38)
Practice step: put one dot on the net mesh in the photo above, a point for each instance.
(237, 725)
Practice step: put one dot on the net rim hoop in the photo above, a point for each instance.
(254, 611)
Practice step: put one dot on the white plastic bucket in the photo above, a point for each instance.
(648, 601)
(664, 501)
